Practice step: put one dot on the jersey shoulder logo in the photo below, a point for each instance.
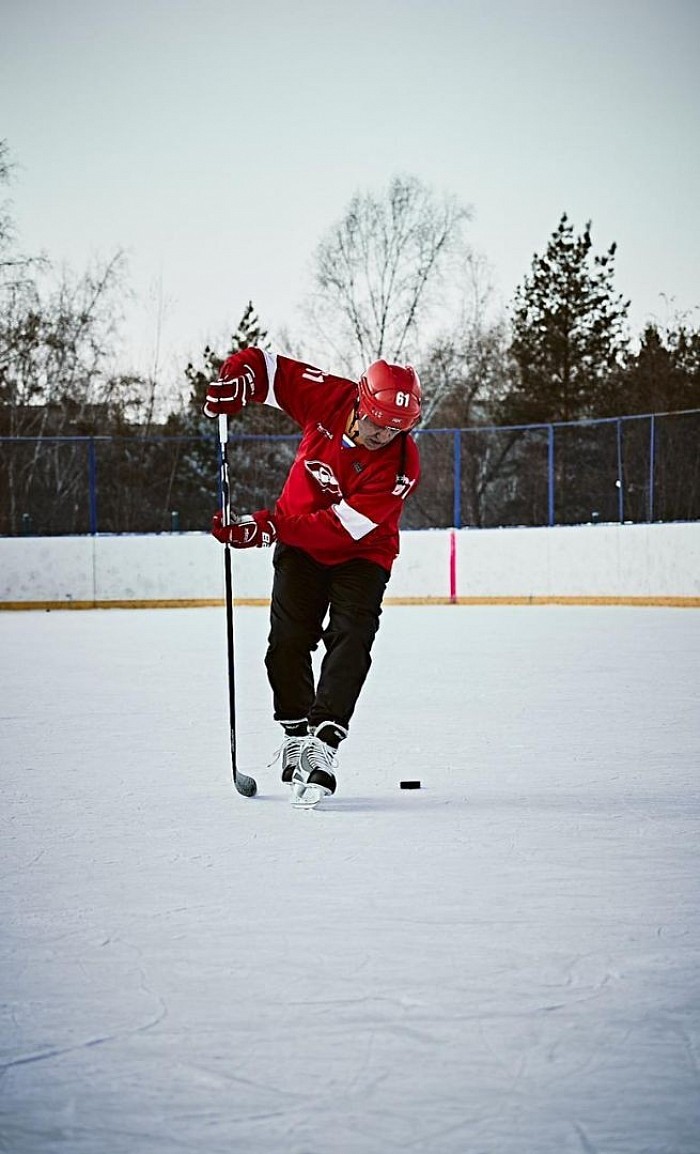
(324, 477)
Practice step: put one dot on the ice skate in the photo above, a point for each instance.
(295, 734)
(291, 751)
(313, 779)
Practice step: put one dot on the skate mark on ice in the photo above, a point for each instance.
(587, 1146)
(102, 1039)
(22, 867)
(90, 1043)
(689, 1047)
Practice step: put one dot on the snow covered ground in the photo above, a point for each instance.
(504, 962)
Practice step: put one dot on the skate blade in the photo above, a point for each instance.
(307, 796)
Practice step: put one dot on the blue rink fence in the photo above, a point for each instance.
(623, 469)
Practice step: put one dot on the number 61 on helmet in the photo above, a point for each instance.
(390, 396)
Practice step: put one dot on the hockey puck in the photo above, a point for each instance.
(409, 785)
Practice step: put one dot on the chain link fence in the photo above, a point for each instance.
(628, 469)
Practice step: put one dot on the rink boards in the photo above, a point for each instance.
(591, 565)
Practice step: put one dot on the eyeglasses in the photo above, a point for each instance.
(374, 427)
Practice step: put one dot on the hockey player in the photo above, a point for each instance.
(335, 529)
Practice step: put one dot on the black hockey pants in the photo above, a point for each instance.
(303, 593)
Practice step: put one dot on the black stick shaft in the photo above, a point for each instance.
(244, 784)
(231, 659)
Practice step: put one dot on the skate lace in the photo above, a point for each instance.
(318, 755)
(289, 751)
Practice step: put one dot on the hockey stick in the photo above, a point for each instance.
(245, 785)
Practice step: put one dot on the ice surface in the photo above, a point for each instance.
(504, 962)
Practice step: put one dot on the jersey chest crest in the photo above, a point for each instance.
(324, 477)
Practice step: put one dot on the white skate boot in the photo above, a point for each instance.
(295, 734)
(313, 779)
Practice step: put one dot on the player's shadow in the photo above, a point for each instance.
(408, 801)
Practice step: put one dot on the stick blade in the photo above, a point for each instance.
(246, 786)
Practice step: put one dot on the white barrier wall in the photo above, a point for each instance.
(581, 561)
(656, 564)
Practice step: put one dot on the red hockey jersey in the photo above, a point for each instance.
(339, 500)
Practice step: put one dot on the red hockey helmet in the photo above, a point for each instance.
(390, 396)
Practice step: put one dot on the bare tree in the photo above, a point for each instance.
(465, 369)
(58, 336)
(5, 219)
(14, 266)
(377, 272)
(62, 397)
(56, 346)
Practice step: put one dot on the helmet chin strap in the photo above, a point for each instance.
(352, 426)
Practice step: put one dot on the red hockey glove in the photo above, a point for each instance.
(254, 531)
(231, 392)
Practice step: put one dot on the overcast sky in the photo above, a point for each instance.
(216, 141)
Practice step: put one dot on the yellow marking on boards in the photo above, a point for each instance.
(218, 602)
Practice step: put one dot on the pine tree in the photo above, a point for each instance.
(663, 375)
(259, 466)
(569, 331)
